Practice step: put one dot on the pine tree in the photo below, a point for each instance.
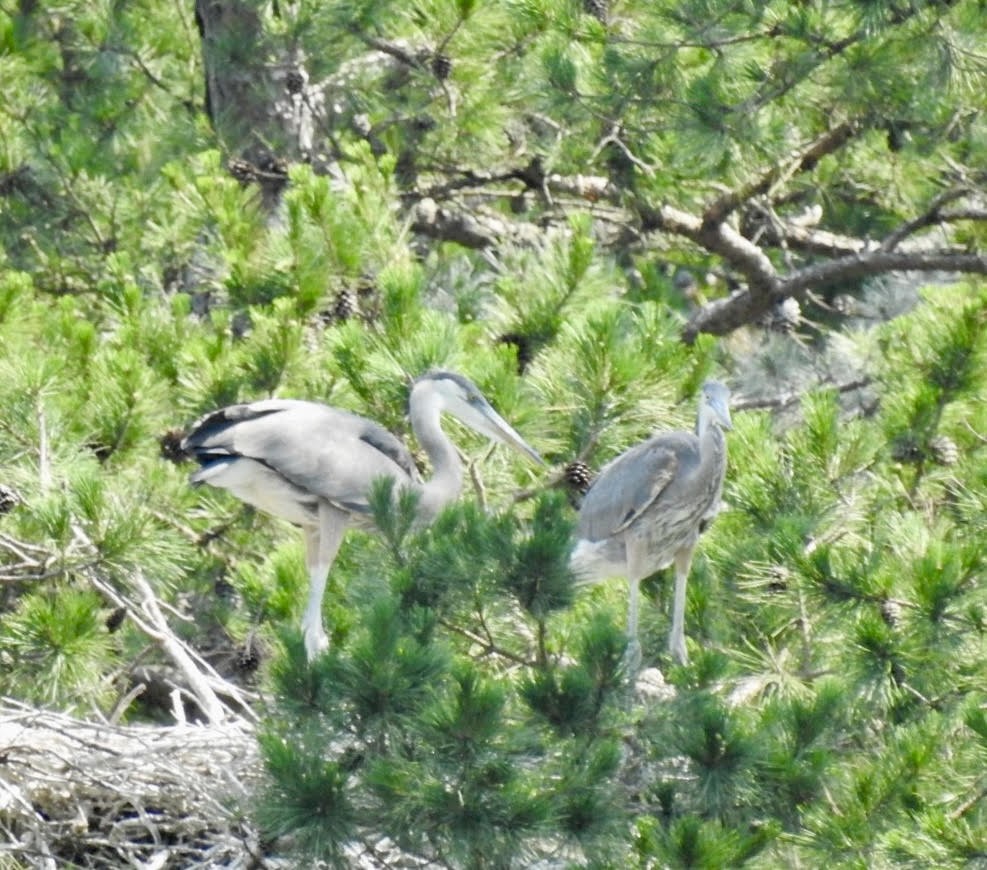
(589, 208)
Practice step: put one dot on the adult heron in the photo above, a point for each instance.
(647, 508)
(314, 465)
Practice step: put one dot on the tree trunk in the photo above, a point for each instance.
(257, 96)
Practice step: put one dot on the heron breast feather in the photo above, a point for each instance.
(261, 487)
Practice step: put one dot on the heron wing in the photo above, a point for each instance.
(327, 452)
(633, 482)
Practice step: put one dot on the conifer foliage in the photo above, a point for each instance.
(588, 208)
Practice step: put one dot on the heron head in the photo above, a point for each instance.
(459, 396)
(714, 406)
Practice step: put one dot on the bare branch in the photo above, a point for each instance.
(932, 215)
(745, 306)
(787, 399)
(811, 240)
(722, 239)
(466, 180)
(591, 188)
(396, 50)
(203, 681)
(472, 229)
(876, 262)
(963, 214)
(802, 161)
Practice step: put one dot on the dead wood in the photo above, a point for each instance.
(76, 793)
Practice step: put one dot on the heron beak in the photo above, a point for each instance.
(723, 413)
(497, 427)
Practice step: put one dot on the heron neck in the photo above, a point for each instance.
(447, 469)
(713, 456)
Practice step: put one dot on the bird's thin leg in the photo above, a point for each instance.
(321, 546)
(632, 658)
(676, 640)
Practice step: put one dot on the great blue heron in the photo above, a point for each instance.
(648, 506)
(314, 465)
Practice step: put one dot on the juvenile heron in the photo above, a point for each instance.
(647, 507)
(314, 465)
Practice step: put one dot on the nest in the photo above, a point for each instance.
(88, 794)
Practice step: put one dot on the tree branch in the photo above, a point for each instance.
(745, 306)
(803, 160)
(203, 683)
(787, 399)
(810, 240)
(932, 215)
(876, 262)
(471, 229)
(721, 239)
(396, 50)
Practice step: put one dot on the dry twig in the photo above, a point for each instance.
(86, 794)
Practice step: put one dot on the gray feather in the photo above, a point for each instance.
(631, 483)
(301, 442)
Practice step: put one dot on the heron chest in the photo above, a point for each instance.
(671, 525)
(263, 488)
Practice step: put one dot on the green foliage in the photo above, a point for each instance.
(574, 699)
(538, 574)
(473, 705)
(53, 646)
(444, 751)
(309, 800)
(388, 672)
(695, 842)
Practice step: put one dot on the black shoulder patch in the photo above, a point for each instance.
(216, 421)
(380, 439)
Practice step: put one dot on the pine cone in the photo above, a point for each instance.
(599, 9)
(171, 446)
(523, 345)
(242, 170)
(223, 589)
(780, 577)
(905, 448)
(272, 164)
(268, 167)
(944, 450)
(9, 499)
(441, 66)
(784, 317)
(578, 475)
(115, 619)
(248, 656)
(368, 298)
(294, 82)
(345, 305)
(891, 613)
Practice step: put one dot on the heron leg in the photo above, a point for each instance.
(321, 546)
(635, 573)
(632, 657)
(676, 640)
